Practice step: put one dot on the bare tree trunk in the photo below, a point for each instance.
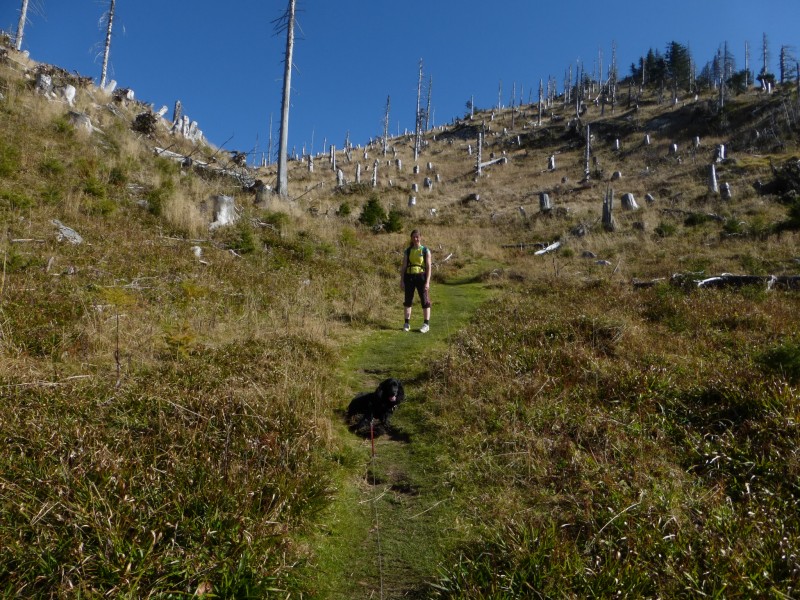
(283, 178)
(746, 65)
(713, 187)
(23, 16)
(386, 127)
(269, 147)
(587, 154)
(480, 153)
(107, 49)
(428, 109)
(540, 104)
(417, 133)
(609, 223)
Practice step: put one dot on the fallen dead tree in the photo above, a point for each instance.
(725, 280)
(791, 282)
(549, 247)
(242, 176)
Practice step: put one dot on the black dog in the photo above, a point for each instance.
(379, 404)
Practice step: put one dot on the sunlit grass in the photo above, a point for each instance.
(170, 394)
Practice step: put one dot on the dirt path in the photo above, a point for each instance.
(393, 516)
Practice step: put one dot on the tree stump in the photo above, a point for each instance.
(629, 202)
(713, 187)
(545, 205)
(609, 223)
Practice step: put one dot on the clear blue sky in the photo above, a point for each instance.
(223, 59)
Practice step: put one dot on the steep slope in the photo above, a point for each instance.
(172, 394)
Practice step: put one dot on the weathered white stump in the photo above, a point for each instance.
(713, 187)
(224, 212)
(629, 202)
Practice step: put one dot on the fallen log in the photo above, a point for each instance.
(502, 159)
(728, 280)
(551, 248)
(187, 161)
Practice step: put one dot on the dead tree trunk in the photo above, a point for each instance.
(269, 145)
(428, 109)
(540, 104)
(107, 49)
(417, 130)
(386, 127)
(283, 158)
(23, 17)
(609, 224)
(480, 152)
(587, 154)
(713, 187)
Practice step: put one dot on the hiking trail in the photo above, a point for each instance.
(391, 517)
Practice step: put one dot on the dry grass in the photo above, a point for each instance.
(180, 406)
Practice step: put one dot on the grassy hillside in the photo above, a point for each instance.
(581, 423)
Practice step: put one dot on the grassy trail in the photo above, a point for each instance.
(393, 515)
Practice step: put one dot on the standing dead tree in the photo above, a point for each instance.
(609, 223)
(107, 47)
(587, 154)
(386, 126)
(418, 125)
(23, 17)
(428, 109)
(541, 91)
(287, 22)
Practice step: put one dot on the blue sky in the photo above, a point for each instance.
(223, 59)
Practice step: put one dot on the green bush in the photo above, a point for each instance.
(394, 223)
(278, 220)
(372, 213)
(156, 197)
(94, 187)
(665, 229)
(15, 200)
(245, 242)
(51, 167)
(344, 209)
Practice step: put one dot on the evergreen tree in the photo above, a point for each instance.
(678, 63)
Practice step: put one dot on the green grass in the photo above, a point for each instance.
(171, 398)
(388, 515)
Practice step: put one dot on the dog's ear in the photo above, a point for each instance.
(401, 393)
